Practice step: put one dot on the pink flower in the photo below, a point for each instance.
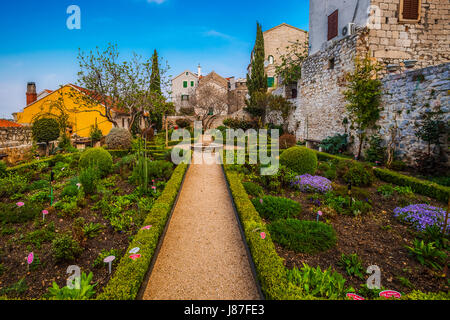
(263, 235)
(20, 204)
(261, 201)
(320, 213)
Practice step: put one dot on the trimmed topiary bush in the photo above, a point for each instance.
(97, 157)
(118, 139)
(300, 160)
(303, 236)
(276, 207)
(253, 189)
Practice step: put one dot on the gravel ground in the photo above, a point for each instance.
(203, 255)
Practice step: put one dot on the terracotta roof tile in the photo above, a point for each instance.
(7, 123)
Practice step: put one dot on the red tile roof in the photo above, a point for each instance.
(7, 123)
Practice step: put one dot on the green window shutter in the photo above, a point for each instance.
(184, 84)
(192, 83)
(270, 82)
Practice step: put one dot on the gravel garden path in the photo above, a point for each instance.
(203, 255)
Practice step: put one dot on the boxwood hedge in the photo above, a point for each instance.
(129, 275)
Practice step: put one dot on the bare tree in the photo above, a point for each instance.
(209, 101)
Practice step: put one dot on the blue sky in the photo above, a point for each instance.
(36, 45)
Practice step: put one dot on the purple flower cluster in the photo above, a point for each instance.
(309, 183)
(421, 215)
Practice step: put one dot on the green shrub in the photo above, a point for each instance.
(299, 159)
(398, 165)
(85, 292)
(65, 248)
(39, 185)
(352, 265)
(118, 139)
(70, 190)
(40, 197)
(386, 190)
(336, 144)
(355, 173)
(98, 157)
(322, 284)
(11, 213)
(38, 237)
(253, 189)
(16, 289)
(12, 184)
(423, 187)
(45, 130)
(88, 179)
(427, 254)
(303, 236)
(2, 169)
(419, 295)
(376, 152)
(159, 169)
(276, 207)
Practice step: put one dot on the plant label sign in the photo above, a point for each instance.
(390, 293)
(30, 258)
(134, 250)
(135, 256)
(354, 296)
(146, 228)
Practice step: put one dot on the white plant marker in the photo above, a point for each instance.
(44, 213)
(109, 260)
(134, 250)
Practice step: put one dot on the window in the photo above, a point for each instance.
(192, 83)
(184, 97)
(185, 84)
(123, 123)
(410, 10)
(211, 112)
(331, 63)
(270, 82)
(333, 24)
(187, 73)
(271, 59)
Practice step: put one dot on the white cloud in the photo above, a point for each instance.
(217, 34)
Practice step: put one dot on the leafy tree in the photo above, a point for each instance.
(119, 85)
(45, 130)
(290, 67)
(363, 95)
(155, 81)
(257, 79)
(429, 129)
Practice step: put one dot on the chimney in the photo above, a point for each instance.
(31, 93)
(199, 71)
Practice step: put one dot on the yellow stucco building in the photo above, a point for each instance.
(80, 117)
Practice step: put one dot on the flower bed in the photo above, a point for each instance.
(422, 216)
(92, 216)
(367, 233)
(309, 183)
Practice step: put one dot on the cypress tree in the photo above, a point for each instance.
(155, 84)
(257, 80)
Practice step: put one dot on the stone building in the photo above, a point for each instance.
(411, 41)
(186, 84)
(276, 42)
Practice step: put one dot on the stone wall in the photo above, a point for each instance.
(406, 96)
(320, 108)
(15, 136)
